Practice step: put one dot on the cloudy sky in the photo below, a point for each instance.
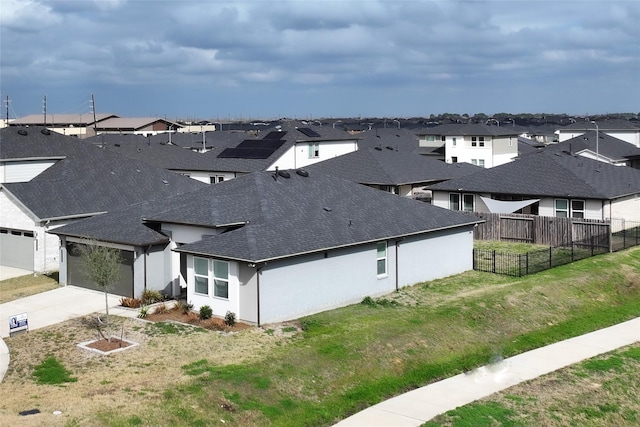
(319, 58)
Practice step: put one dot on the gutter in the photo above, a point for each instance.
(330, 248)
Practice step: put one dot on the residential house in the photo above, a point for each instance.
(137, 125)
(622, 129)
(397, 172)
(78, 125)
(276, 245)
(49, 180)
(554, 184)
(479, 144)
(607, 149)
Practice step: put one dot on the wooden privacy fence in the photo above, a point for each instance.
(542, 230)
(569, 240)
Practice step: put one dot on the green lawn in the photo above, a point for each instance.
(20, 287)
(351, 358)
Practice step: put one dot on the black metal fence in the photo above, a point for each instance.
(516, 264)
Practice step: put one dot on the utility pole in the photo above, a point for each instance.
(7, 105)
(44, 110)
(95, 123)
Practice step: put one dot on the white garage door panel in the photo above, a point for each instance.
(16, 249)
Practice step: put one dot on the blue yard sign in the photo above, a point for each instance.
(18, 323)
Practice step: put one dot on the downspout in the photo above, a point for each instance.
(258, 270)
(397, 256)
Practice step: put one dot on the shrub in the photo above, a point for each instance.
(130, 302)
(160, 309)
(230, 318)
(368, 301)
(151, 297)
(184, 306)
(205, 312)
(144, 311)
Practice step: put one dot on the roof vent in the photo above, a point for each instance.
(165, 182)
(302, 172)
(379, 148)
(284, 174)
(327, 209)
(389, 147)
(116, 145)
(45, 131)
(22, 132)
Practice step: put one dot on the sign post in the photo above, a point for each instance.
(18, 323)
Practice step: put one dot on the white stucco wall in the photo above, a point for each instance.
(627, 208)
(220, 306)
(298, 155)
(24, 170)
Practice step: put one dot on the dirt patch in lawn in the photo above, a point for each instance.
(129, 380)
(191, 318)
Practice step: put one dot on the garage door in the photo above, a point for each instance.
(16, 248)
(76, 272)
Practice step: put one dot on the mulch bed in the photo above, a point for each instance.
(192, 318)
(108, 345)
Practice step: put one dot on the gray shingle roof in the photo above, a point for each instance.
(382, 166)
(551, 174)
(603, 125)
(88, 179)
(296, 215)
(474, 129)
(608, 146)
(276, 218)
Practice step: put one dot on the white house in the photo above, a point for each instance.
(621, 129)
(271, 246)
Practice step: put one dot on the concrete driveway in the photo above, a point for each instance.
(10, 272)
(55, 306)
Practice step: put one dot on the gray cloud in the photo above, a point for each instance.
(406, 57)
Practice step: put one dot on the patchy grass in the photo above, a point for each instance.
(343, 360)
(20, 287)
(511, 247)
(51, 371)
(598, 392)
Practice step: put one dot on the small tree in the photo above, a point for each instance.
(102, 266)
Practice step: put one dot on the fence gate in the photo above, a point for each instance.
(517, 229)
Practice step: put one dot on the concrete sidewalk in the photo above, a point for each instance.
(418, 406)
(55, 306)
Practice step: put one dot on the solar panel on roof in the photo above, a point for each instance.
(275, 135)
(251, 149)
(309, 132)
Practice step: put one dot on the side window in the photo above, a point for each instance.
(577, 209)
(381, 258)
(221, 279)
(454, 202)
(561, 208)
(467, 202)
(201, 275)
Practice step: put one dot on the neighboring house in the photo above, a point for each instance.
(528, 146)
(78, 125)
(608, 149)
(136, 125)
(272, 246)
(398, 139)
(163, 155)
(543, 134)
(397, 172)
(50, 180)
(481, 145)
(622, 129)
(547, 184)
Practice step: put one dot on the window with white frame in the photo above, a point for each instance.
(381, 258)
(577, 209)
(477, 141)
(478, 162)
(562, 208)
(201, 275)
(430, 138)
(461, 202)
(314, 150)
(454, 141)
(220, 279)
(454, 201)
(467, 202)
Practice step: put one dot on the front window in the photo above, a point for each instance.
(201, 275)
(562, 208)
(382, 258)
(221, 279)
(314, 150)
